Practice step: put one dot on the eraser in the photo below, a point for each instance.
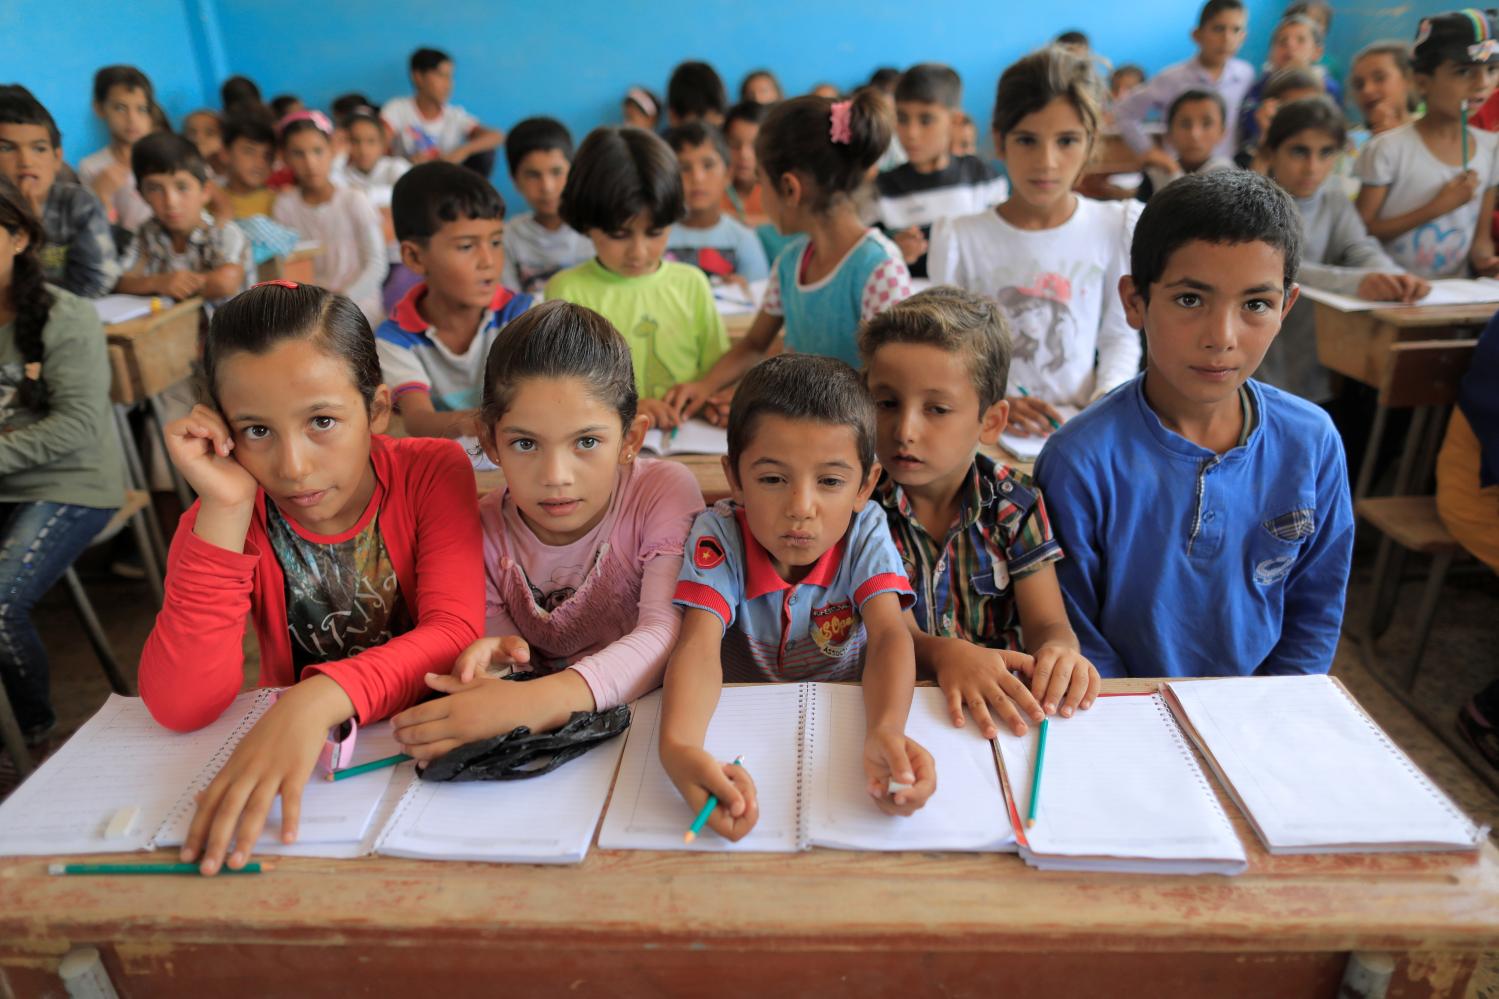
(122, 823)
(896, 786)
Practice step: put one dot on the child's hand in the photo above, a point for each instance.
(911, 242)
(697, 774)
(473, 710)
(663, 415)
(890, 755)
(275, 758)
(474, 660)
(201, 447)
(1485, 264)
(716, 411)
(684, 399)
(981, 679)
(1161, 160)
(182, 284)
(1392, 288)
(113, 177)
(1456, 192)
(1032, 417)
(1063, 680)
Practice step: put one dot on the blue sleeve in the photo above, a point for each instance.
(875, 564)
(751, 256)
(712, 576)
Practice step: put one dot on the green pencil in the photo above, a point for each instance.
(1465, 135)
(1030, 818)
(1050, 419)
(705, 811)
(253, 867)
(364, 768)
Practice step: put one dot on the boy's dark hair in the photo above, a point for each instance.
(1311, 23)
(537, 135)
(558, 339)
(1306, 7)
(695, 89)
(19, 107)
(747, 111)
(1213, 8)
(237, 91)
(930, 83)
(29, 299)
(346, 104)
(165, 153)
(430, 195)
(616, 174)
(1073, 37)
(796, 138)
(885, 78)
(755, 74)
(426, 60)
(1283, 81)
(802, 387)
(697, 133)
(121, 76)
(281, 104)
(268, 314)
(1224, 207)
(1309, 112)
(249, 127)
(1034, 81)
(953, 320)
(1192, 96)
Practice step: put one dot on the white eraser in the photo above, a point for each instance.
(122, 823)
(896, 785)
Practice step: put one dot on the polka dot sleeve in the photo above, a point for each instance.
(889, 283)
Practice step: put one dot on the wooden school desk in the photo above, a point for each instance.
(825, 923)
(299, 265)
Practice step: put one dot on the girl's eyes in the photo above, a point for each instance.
(523, 444)
(884, 404)
(588, 443)
(323, 422)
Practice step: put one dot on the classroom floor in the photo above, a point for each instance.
(1460, 659)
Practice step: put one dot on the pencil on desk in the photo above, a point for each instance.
(707, 810)
(1050, 419)
(1030, 817)
(364, 768)
(253, 867)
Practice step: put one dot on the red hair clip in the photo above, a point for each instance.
(278, 282)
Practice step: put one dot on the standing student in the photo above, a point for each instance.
(740, 129)
(61, 474)
(425, 126)
(357, 556)
(1194, 127)
(538, 243)
(126, 103)
(1051, 258)
(760, 86)
(1383, 85)
(717, 244)
(582, 546)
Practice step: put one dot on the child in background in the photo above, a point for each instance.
(1051, 258)
(1301, 147)
(78, 253)
(1295, 44)
(695, 92)
(1383, 85)
(828, 90)
(1219, 35)
(284, 104)
(451, 224)
(814, 154)
(965, 135)
(740, 129)
(1205, 517)
(180, 251)
(760, 86)
(425, 126)
(249, 149)
(1075, 42)
(1282, 87)
(641, 109)
(351, 259)
(577, 590)
(795, 580)
(1123, 80)
(1194, 127)
(124, 101)
(239, 96)
(368, 168)
(624, 192)
(973, 535)
(932, 184)
(357, 556)
(61, 474)
(205, 130)
(1421, 196)
(538, 243)
(717, 244)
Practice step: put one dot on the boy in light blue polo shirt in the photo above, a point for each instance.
(1205, 516)
(797, 579)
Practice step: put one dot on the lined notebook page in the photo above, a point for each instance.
(1119, 781)
(763, 723)
(546, 819)
(967, 812)
(1313, 772)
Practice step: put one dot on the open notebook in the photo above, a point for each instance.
(1314, 773)
(1120, 791)
(691, 437)
(803, 744)
(1449, 291)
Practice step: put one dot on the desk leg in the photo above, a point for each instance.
(1367, 976)
(1371, 453)
(184, 493)
(135, 470)
(1405, 474)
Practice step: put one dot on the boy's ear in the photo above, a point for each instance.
(993, 422)
(732, 474)
(634, 437)
(380, 409)
(866, 489)
(411, 255)
(1133, 301)
(1291, 297)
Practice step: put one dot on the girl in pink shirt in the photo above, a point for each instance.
(581, 548)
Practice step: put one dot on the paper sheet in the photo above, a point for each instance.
(1451, 291)
(692, 437)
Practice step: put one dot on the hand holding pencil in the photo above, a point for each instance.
(698, 775)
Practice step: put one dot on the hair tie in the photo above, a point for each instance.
(319, 120)
(839, 130)
(640, 97)
(278, 282)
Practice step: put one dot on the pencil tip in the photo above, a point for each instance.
(1030, 823)
(689, 836)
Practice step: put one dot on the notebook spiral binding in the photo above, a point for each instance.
(263, 700)
(394, 821)
(807, 722)
(1182, 744)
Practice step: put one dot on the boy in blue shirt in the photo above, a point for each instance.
(797, 579)
(1206, 517)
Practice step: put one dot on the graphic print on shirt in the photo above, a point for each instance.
(559, 587)
(713, 261)
(1041, 320)
(657, 377)
(832, 627)
(1437, 245)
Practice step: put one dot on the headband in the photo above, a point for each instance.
(640, 97)
(319, 120)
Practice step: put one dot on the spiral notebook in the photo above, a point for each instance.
(804, 745)
(1312, 771)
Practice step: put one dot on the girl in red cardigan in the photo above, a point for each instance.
(358, 556)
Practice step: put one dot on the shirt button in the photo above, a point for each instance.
(1005, 487)
(947, 621)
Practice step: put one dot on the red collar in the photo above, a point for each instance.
(408, 315)
(760, 576)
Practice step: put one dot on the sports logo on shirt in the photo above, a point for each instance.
(832, 627)
(708, 554)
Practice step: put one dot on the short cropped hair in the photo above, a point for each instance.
(697, 133)
(1221, 207)
(251, 128)
(930, 83)
(695, 89)
(885, 78)
(746, 111)
(1319, 113)
(166, 152)
(802, 387)
(426, 60)
(537, 135)
(1307, 6)
(1192, 96)
(121, 76)
(953, 320)
(1213, 8)
(1283, 81)
(430, 195)
(617, 173)
(18, 106)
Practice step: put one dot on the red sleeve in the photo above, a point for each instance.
(194, 661)
(1487, 117)
(442, 512)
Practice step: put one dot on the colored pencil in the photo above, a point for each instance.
(1465, 136)
(364, 768)
(1030, 818)
(253, 867)
(707, 810)
(1050, 419)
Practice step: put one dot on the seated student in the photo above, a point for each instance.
(240, 96)
(61, 473)
(451, 224)
(538, 243)
(1302, 147)
(1428, 205)
(641, 109)
(125, 102)
(973, 534)
(1205, 517)
(795, 580)
(695, 92)
(932, 184)
(79, 252)
(1383, 85)
(717, 244)
(624, 192)
(740, 129)
(1295, 44)
(760, 86)
(368, 168)
(425, 126)
(1320, 11)
(357, 556)
(180, 251)
(1194, 127)
(577, 594)
(205, 130)
(249, 149)
(1282, 87)
(284, 104)
(1123, 80)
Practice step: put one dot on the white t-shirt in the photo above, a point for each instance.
(533, 253)
(129, 209)
(352, 256)
(1060, 290)
(1399, 160)
(416, 136)
(376, 184)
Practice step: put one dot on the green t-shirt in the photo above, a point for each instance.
(668, 318)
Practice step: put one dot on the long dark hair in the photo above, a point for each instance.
(28, 289)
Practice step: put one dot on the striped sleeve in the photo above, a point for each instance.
(712, 576)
